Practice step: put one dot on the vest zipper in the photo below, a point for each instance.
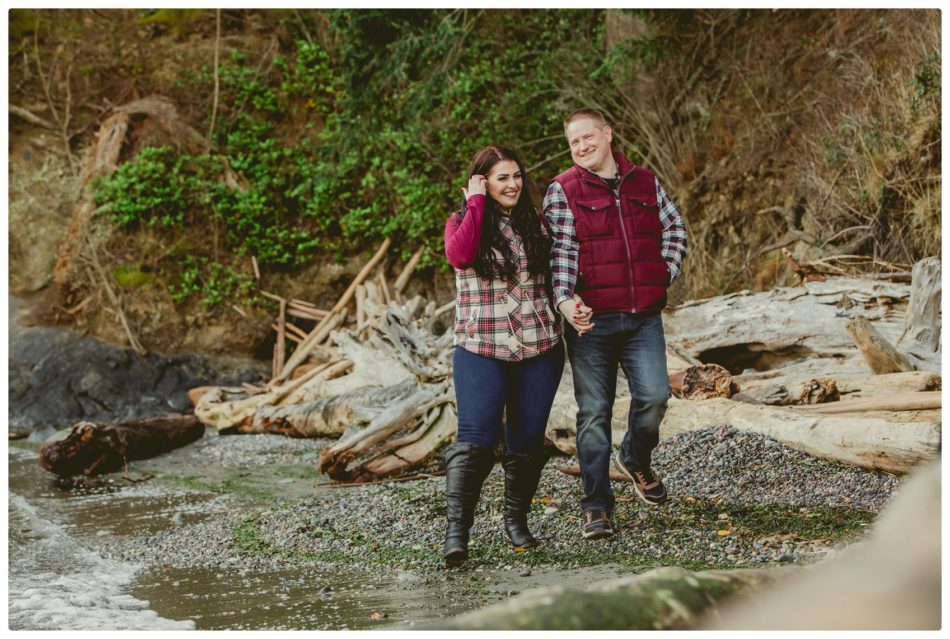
(626, 247)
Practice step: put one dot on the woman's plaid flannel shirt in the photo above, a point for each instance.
(508, 320)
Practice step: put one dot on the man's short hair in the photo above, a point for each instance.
(586, 114)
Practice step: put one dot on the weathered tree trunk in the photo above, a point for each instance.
(765, 330)
(101, 160)
(921, 337)
(890, 403)
(892, 442)
(663, 598)
(392, 412)
(94, 449)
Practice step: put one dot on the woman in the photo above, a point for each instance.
(508, 355)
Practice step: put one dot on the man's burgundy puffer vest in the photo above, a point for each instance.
(621, 267)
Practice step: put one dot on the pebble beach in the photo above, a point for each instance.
(737, 499)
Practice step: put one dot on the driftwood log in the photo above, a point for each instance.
(880, 354)
(776, 329)
(920, 340)
(93, 449)
(877, 438)
(661, 599)
(886, 422)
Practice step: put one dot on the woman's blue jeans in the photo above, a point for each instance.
(637, 343)
(487, 388)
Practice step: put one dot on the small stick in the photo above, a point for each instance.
(281, 334)
(257, 271)
(360, 304)
(292, 337)
(444, 308)
(363, 274)
(384, 287)
(437, 473)
(276, 298)
(296, 312)
(296, 330)
(575, 471)
(407, 271)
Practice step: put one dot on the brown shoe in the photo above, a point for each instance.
(647, 485)
(596, 525)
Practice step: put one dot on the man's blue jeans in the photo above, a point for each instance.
(635, 342)
(487, 388)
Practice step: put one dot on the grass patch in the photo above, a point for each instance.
(248, 541)
(757, 521)
(240, 483)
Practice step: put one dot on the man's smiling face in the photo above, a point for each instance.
(590, 145)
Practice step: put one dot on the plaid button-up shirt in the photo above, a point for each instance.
(564, 253)
(510, 320)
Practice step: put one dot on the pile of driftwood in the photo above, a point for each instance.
(844, 368)
(382, 386)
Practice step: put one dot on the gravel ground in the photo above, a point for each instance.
(737, 500)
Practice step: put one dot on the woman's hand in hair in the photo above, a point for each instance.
(476, 186)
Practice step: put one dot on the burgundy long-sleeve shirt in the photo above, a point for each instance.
(462, 235)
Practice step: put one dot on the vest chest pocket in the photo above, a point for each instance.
(646, 215)
(593, 218)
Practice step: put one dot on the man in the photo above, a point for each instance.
(618, 244)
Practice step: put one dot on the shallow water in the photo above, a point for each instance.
(57, 581)
(53, 582)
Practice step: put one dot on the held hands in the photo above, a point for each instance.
(577, 314)
(476, 186)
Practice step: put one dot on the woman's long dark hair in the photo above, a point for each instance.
(524, 219)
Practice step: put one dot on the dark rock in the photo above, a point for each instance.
(58, 377)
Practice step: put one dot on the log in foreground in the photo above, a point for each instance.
(93, 449)
(891, 581)
(663, 598)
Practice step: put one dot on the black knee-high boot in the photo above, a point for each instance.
(466, 467)
(522, 473)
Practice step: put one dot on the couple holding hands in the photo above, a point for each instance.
(603, 253)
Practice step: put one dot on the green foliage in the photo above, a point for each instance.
(131, 276)
(159, 188)
(927, 80)
(175, 18)
(211, 282)
(341, 147)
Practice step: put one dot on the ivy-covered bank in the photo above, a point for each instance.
(385, 118)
